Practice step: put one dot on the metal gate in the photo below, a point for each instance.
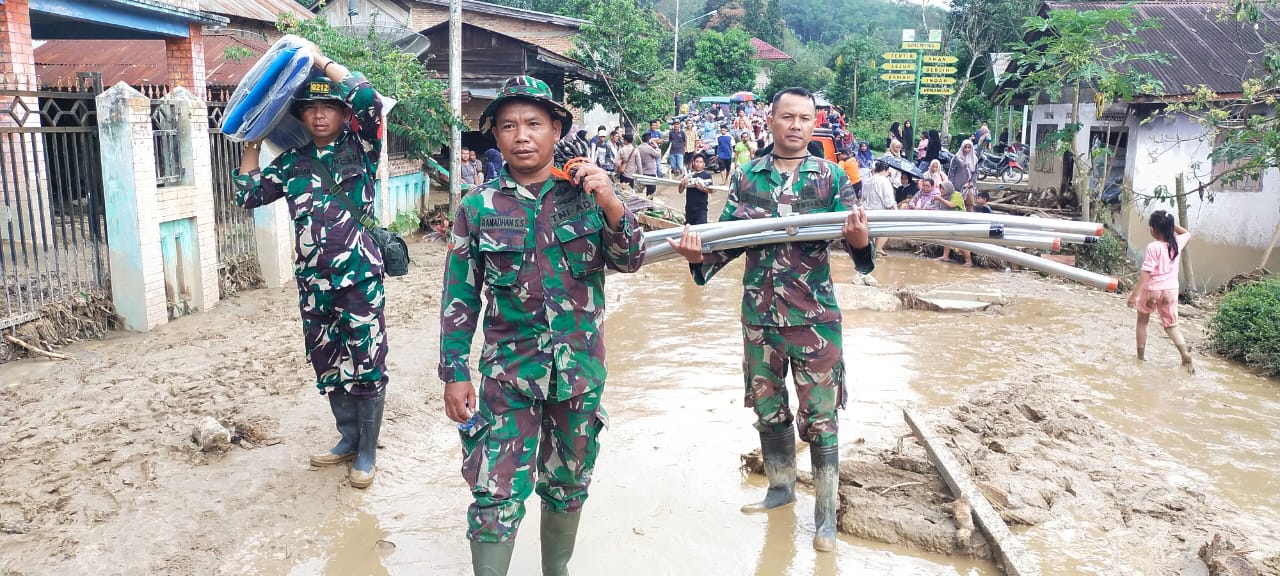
(52, 230)
(238, 267)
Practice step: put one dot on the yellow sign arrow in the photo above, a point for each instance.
(898, 77)
(900, 66)
(941, 59)
(937, 90)
(921, 45)
(898, 56)
(937, 80)
(939, 70)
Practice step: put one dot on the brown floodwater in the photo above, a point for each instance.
(667, 489)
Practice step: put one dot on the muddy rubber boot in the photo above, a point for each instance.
(559, 533)
(343, 406)
(369, 409)
(491, 558)
(826, 482)
(778, 450)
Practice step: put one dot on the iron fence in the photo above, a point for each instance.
(52, 226)
(237, 248)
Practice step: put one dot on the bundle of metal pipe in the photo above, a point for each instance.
(964, 230)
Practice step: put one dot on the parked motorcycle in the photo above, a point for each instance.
(1004, 167)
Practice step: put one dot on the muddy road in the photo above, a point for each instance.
(100, 477)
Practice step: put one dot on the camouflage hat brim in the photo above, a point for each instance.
(530, 89)
(557, 112)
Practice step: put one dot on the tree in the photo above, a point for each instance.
(1245, 130)
(621, 46)
(807, 74)
(771, 25)
(1086, 49)
(421, 115)
(725, 62)
(979, 27)
(753, 16)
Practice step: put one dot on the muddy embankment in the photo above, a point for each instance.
(1038, 458)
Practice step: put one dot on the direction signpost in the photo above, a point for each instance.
(939, 68)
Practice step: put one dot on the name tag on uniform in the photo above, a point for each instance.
(503, 223)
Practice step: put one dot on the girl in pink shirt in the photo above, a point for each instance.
(1157, 288)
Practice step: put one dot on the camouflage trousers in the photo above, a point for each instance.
(346, 338)
(815, 356)
(510, 431)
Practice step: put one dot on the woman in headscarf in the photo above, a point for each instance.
(865, 160)
(908, 133)
(964, 169)
(894, 134)
(935, 172)
(493, 164)
(934, 147)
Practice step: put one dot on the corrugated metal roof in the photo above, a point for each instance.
(1203, 47)
(139, 62)
(766, 51)
(263, 10)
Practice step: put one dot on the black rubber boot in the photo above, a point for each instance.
(369, 409)
(826, 482)
(343, 406)
(778, 449)
(559, 533)
(491, 558)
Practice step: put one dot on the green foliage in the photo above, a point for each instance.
(236, 53)
(806, 73)
(725, 62)
(1247, 325)
(422, 115)
(771, 27)
(1079, 48)
(406, 221)
(1109, 256)
(1246, 137)
(621, 45)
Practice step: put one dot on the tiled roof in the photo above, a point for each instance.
(766, 51)
(1204, 47)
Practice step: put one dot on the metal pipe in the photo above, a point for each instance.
(721, 239)
(886, 216)
(1038, 263)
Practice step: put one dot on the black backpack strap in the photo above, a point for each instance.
(326, 180)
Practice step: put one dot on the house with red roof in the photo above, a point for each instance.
(768, 56)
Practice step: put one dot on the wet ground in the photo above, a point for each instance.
(102, 478)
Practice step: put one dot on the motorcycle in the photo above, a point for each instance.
(1004, 167)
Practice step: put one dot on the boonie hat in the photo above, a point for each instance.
(319, 88)
(533, 90)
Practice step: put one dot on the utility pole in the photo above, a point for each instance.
(675, 46)
(854, 112)
(455, 103)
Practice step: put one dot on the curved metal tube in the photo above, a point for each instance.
(1035, 262)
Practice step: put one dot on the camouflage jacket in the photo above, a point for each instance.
(786, 284)
(541, 257)
(331, 249)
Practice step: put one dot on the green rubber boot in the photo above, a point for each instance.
(363, 468)
(778, 449)
(343, 406)
(559, 533)
(491, 558)
(826, 482)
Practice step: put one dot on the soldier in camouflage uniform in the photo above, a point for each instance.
(789, 312)
(535, 247)
(338, 266)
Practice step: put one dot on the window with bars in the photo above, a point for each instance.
(168, 146)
